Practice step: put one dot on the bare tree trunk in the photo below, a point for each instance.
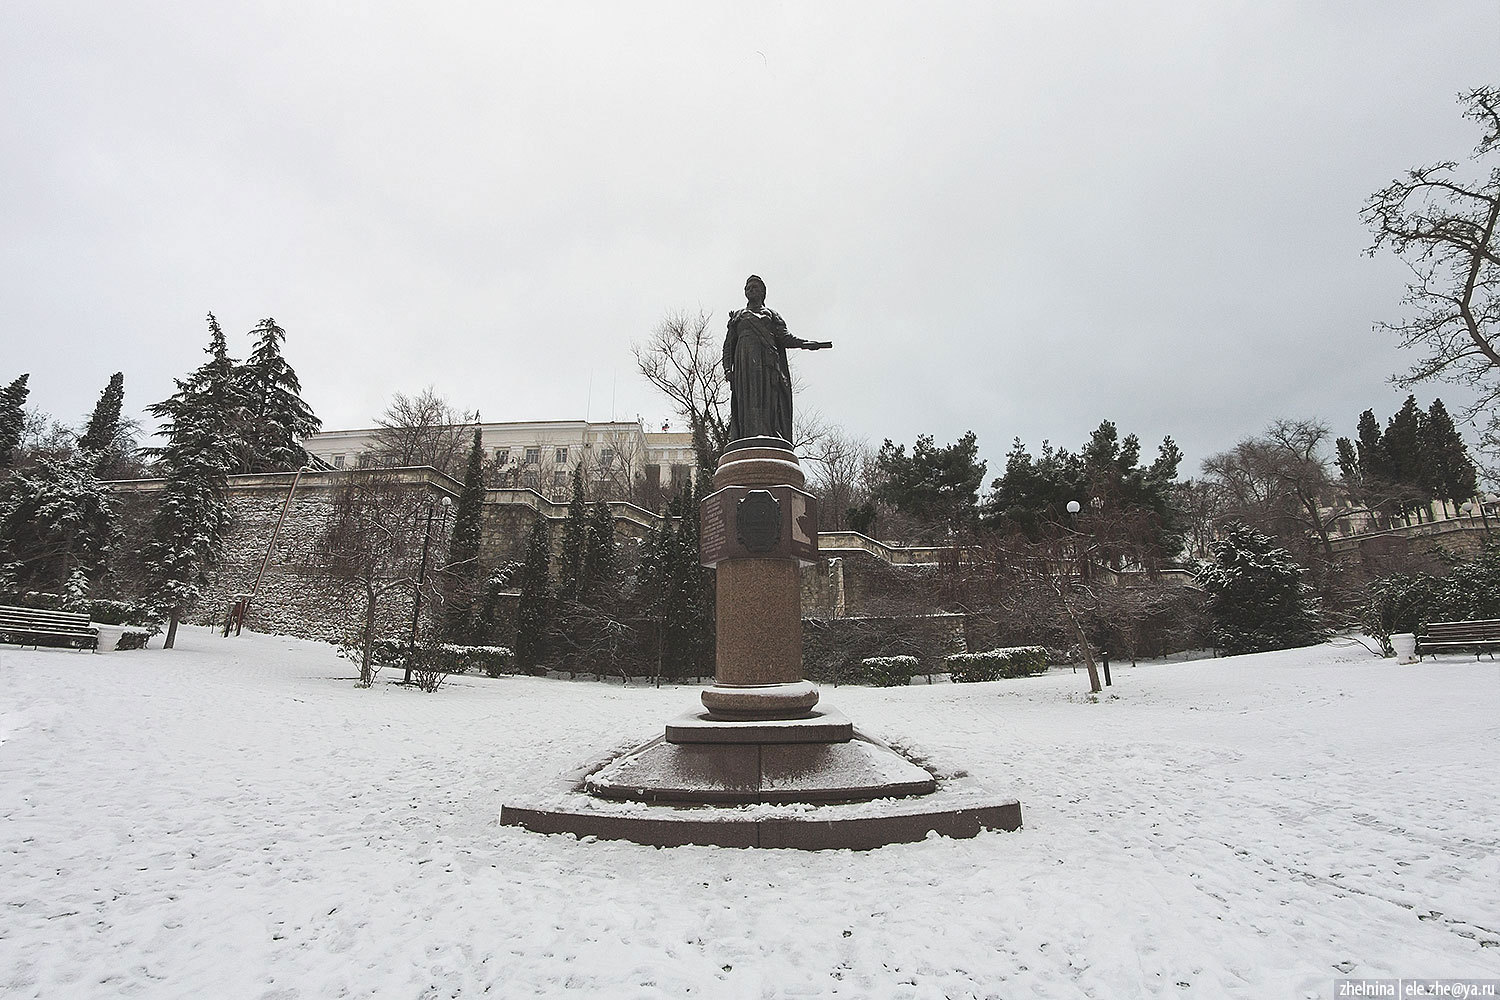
(171, 629)
(1083, 642)
(366, 678)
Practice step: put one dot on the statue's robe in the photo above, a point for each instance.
(760, 383)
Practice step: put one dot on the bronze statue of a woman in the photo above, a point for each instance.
(760, 384)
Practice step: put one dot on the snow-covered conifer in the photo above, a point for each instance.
(192, 514)
(571, 580)
(533, 607)
(1257, 596)
(275, 418)
(12, 419)
(56, 525)
(463, 571)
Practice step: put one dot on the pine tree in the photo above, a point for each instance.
(275, 418)
(463, 549)
(12, 419)
(571, 578)
(193, 512)
(1452, 474)
(104, 424)
(1257, 596)
(534, 606)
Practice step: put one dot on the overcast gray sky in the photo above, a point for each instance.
(1015, 218)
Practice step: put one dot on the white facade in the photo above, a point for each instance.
(542, 454)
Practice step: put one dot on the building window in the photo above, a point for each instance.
(561, 456)
(606, 458)
(338, 461)
(502, 456)
(533, 456)
(559, 478)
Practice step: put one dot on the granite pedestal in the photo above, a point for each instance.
(762, 737)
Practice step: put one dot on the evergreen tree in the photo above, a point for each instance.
(275, 418)
(1034, 492)
(1409, 464)
(192, 514)
(463, 568)
(57, 525)
(104, 422)
(12, 419)
(938, 487)
(571, 581)
(686, 607)
(1257, 596)
(599, 555)
(534, 607)
(1451, 470)
(1374, 462)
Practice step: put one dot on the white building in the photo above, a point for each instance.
(621, 456)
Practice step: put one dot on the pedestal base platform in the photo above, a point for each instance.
(959, 809)
(819, 725)
(681, 827)
(852, 771)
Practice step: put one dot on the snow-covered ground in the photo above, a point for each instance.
(234, 818)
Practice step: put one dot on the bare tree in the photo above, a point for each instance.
(615, 467)
(1279, 484)
(423, 430)
(1443, 227)
(684, 361)
(837, 465)
(370, 548)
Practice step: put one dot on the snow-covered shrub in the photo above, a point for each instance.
(455, 659)
(134, 638)
(445, 658)
(889, 671)
(997, 664)
(1257, 597)
(1407, 602)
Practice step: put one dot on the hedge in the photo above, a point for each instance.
(889, 671)
(997, 664)
(447, 657)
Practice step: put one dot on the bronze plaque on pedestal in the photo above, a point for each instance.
(740, 522)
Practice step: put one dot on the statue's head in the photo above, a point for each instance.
(755, 288)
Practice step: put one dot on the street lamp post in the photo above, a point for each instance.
(1083, 642)
(416, 603)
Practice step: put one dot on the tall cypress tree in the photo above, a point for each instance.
(1452, 472)
(275, 418)
(1409, 463)
(104, 423)
(193, 513)
(571, 579)
(534, 606)
(12, 419)
(463, 549)
(599, 553)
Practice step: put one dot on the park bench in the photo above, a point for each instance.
(1480, 636)
(39, 627)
